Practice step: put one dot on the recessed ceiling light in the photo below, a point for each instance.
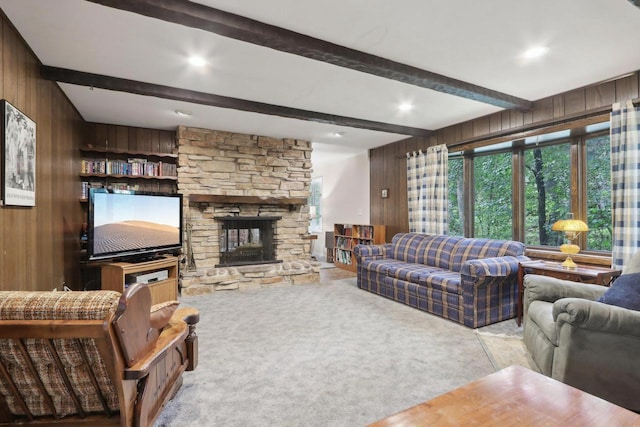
(337, 134)
(183, 113)
(405, 106)
(197, 61)
(535, 52)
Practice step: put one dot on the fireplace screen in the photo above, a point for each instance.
(247, 240)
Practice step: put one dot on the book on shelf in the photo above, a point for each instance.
(343, 257)
(85, 190)
(343, 242)
(132, 167)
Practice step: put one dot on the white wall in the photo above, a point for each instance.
(345, 188)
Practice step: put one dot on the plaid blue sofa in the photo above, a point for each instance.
(470, 281)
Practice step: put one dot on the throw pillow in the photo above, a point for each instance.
(161, 313)
(625, 292)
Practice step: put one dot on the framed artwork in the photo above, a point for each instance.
(18, 157)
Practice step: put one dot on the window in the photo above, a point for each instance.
(456, 196)
(547, 176)
(599, 193)
(492, 196)
(547, 198)
(315, 205)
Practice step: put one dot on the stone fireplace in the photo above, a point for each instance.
(242, 192)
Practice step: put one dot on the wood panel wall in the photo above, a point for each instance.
(39, 246)
(127, 138)
(388, 163)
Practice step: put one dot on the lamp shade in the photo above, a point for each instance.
(574, 225)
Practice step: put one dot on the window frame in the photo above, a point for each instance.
(577, 140)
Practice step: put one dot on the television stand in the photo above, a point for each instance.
(114, 277)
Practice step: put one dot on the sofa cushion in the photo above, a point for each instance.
(470, 249)
(625, 292)
(432, 250)
(416, 273)
(445, 281)
(380, 266)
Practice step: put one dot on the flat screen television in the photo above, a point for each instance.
(133, 224)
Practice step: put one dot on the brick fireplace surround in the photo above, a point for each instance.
(222, 174)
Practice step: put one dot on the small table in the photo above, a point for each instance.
(593, 275)
(514, 396)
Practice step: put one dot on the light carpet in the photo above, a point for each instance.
(326, 354)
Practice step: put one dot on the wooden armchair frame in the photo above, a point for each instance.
(129, 369)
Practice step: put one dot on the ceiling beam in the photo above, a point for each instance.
(159, 91)
(234, 26)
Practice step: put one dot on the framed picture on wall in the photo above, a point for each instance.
(18, 157)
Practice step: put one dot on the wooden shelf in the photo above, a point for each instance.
(130, 153)
(104, 175)
(252, 200)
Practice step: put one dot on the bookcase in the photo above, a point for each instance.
(347, 236)
(128, 170)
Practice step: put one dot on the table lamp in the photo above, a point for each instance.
(571, 229)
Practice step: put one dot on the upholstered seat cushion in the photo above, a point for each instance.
(411, 272)
(421, 274)
(446, 281)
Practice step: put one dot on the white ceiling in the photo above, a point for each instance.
(479, 42)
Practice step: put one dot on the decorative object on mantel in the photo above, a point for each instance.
(18, 157)
(571, 229)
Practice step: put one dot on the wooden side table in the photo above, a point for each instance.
(582, 274)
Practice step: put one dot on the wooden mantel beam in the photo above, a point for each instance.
(247, 200)
(195, 15)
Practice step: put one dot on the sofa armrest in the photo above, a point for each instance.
(371, 251)
(171, 337)
(503, 266)
(596, 316)
(550, 289)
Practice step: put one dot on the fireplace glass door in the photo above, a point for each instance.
(247, 240)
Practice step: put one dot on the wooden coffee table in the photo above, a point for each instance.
(514, 396)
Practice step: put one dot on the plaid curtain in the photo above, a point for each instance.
(625, 182)
(427, 190)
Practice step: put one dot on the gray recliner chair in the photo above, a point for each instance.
(587, 344)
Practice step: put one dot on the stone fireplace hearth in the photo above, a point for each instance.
(230, 176)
